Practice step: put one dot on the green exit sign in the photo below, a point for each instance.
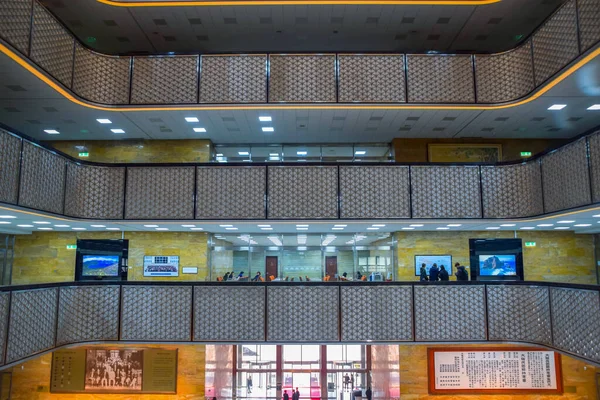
(88, 154)
(71, 246)
(525, 154)
(529, 244)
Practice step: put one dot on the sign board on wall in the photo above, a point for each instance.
(499, 370)
(161, 265)
(114, 370)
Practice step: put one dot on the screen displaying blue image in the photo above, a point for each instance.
(498, 265)
(100, 265)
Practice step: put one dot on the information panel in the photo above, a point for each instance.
(161, 265)
(514, 370)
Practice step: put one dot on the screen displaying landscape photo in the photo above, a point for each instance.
(497, 265)
(100, 265)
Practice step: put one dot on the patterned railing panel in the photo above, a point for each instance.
(101, 78)
(32, 323)
(302, 78)
(159, 193)
(504, 76)
(303, 192)
(450, 313)
(88, 314)
(165, 80)
(452, 81)
(512, 191)
(588, 12)
(519, 313)
(594, 148)
(4, 314)
(231, 192)
(42, 179)
(302, 313)
(385, 314)
(52, 46)
(555, 44)
(434, 191)
(94, 192)
(156, 313)
(576, 322)
(566, 177)
(371, 78)
(10, 160)
(15, 23)
(233, 79)
(362, 194)
(215, 321)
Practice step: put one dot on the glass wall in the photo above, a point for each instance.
(303, 257)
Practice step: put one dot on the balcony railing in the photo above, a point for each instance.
(40, 318)
(38, 178)
(308, 78)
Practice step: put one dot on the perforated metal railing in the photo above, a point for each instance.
(36, 319)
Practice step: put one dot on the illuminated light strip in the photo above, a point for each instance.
(294, 2)
(25, 64)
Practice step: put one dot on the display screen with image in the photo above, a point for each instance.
(497, 265)
(444, 260)
(100, 265)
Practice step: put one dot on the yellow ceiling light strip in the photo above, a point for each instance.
(559, 78)
(167, 3)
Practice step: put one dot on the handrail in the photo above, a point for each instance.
(481, 81)
(41, 318)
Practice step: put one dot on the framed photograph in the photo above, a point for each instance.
(114, 370)
(429, 260)
(161, 265)
(464, 152)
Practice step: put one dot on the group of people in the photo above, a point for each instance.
(441, 274)
(295, 395)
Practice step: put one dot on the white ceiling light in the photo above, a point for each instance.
(104, 121)
(41, 222)
(51, 131)
(507, 225)
(594, 107)
(372, 228)
(301, 226)
(340, 226)
(266, 229)
(243, 153)
(276, 158)
(561, 227)
(113, 229)
(555, 107)
(273, 154)
(268, 129)
(301, 229)
(79, 229)
(189, 226)
(442, 228)
(264, 226)
(379, 225)
(337, 229)
(265, 119)
(7, 216)
(192, 119)
(161, 229)
(151, 226)
(491, 228)
(545, 225)
(231, 229)
(360, 152)
(454, 225)
(5, 223)
(565, 222)
(582, 225)
(527, 228)
(302, 153)
(197, 229)
(118, 130)
(62, 226)
(44, 229)
(225, 226)
(407, 229)
(200, 130)
(25, 226)
(416, 225)
(98, 226)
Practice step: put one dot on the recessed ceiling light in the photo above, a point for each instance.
(301, 229)
(113, 229)
(372, 228)
(545, 225)
(561, 227)
(407, 229)
(337, 229)
(273, 155)
(225, 226)
(491, 228)
(442, 228)
(104, 121)
(264, 226)
(454, 225)
(582, 225)
(192, 119)
(5, 223)
(595, 216)
(265, 119)
(41, 222)
(268, 129)
(301, 226)
(231, 229)
(62, 226)
(79, 229)
(554, 107)
(151, 226)
(266, 229)
(416, 225)
(25, 226)
(340, 226)
(51, 131)
(379, 225)
(98, 226)
(44, 229)
(594, 107)
(243, 153)
(506, 225)
(360, 152)
(189, 226)
(7, 216)
(565, 222)
(527, 228)
(117, 130)
(197, 229)
(301, 153)
(161, 229)
(200, 130)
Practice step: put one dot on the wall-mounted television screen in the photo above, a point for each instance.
(445, 260)
(497, 265)
(100, 265)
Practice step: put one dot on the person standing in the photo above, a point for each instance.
(443, 274)
(461, 273)
(434, 273)
(423, 273)
(351, 382)
(249, 383)
(369, 393)
(346, 381)
(285, 395)
(297, 394)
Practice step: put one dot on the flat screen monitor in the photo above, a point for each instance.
(497, 265)
(445, 260)
(100, 265)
